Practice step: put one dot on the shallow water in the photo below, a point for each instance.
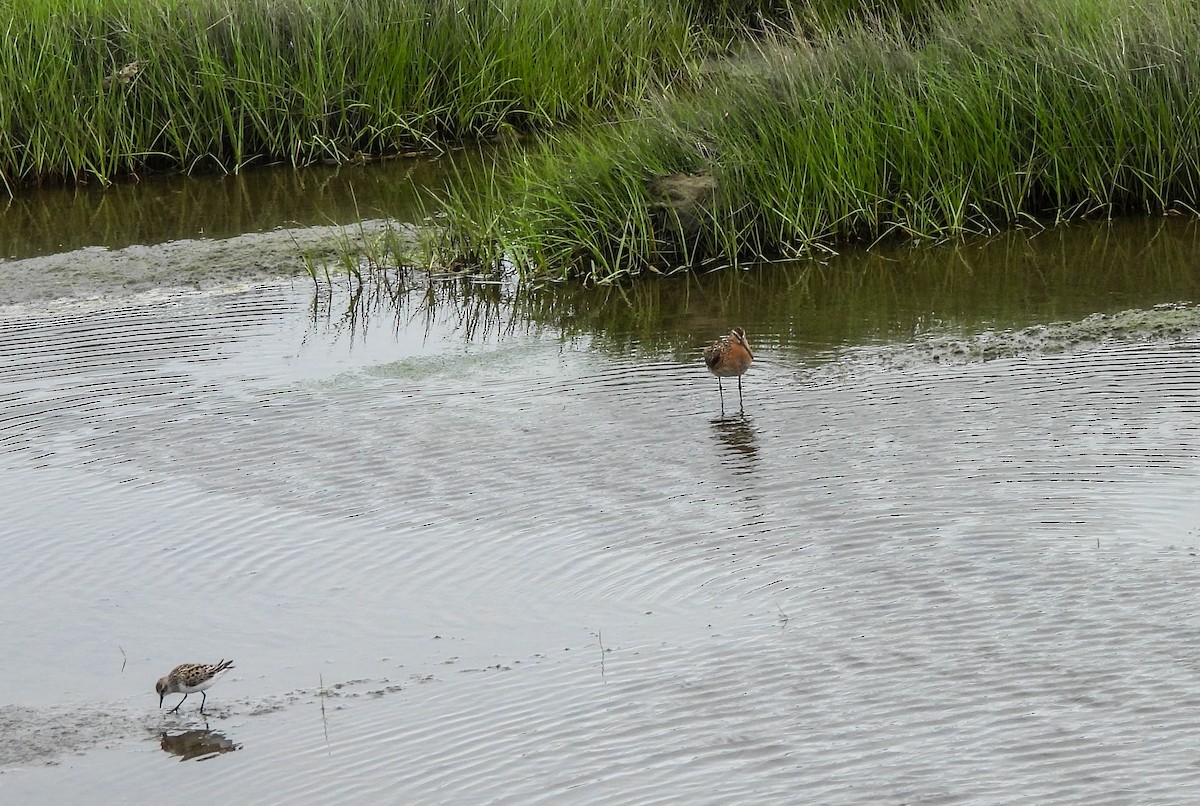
(162, 208)
(505, 547)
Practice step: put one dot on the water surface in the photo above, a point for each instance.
(504, 545)
(168, 207)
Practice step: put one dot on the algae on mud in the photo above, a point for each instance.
(98, 274)
(1001, 114)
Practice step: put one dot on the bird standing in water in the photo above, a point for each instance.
(727, 357)
(188, 678)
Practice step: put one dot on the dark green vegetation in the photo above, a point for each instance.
(99, 88)
(96, 89)
(703, 132)
(1001, 113)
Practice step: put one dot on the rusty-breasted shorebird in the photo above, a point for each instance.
(727, 357)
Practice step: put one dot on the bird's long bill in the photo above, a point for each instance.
(161, 697)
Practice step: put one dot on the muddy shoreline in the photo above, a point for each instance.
(98, 273)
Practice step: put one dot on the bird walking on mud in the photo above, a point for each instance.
(727, 357)
(188, 678)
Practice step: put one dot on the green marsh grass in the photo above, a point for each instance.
(99, 88)
(1005, 114)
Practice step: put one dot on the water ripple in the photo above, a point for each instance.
(891, 578)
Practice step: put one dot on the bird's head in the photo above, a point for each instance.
(739, 336)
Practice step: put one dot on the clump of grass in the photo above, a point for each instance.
(578, 204)
(1006, 113)
(97, 88)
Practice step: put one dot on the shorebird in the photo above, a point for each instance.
(727, 357)
(188, 678)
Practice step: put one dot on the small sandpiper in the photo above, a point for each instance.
(727, 357)
(188, 678)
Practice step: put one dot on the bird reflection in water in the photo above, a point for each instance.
(739, 439)
(197, 744)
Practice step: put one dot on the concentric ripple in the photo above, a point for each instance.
(567, 577)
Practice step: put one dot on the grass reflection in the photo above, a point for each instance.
(1008, 281)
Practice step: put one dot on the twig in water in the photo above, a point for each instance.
(600, 641)
(124, 658)
(324, 721)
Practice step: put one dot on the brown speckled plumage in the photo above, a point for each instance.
(188, 678)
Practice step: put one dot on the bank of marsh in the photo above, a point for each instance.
(1004, 113)
(98, 88)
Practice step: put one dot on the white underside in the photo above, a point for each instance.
(201, 686)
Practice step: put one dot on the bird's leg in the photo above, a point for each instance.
(741, 406)
(721, 390)
(175, 710)
(203, 699)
